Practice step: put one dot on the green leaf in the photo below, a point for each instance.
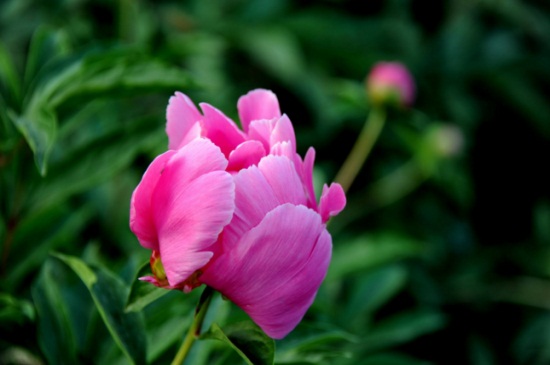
(55, 334)
(10, 84)
(143, 293)
(276, 50)
(46, 45)
(316, 343)
(90, 165)
(367, 252)
(401, 328)
(321, 338)
(39, 127)
(247, 339)
(103, 74)
(52, 229)
(530, 346)
(109, 295)
(391, 359)
(15, 310)
(371, 292)
(114, 72)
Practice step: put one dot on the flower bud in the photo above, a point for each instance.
(447, 140)
(390, 83)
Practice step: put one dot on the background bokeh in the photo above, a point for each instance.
(443, 253)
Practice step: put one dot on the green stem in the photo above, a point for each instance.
(195, 329)
(360, 151)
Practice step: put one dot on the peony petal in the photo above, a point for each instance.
(333, 201)
(276, 269)
(254, 198)
(181, 121)
(192, 202)
(141, 213)
(260, 130)
(257, 105)
(260, 189)
(221, 130)
(246, 154)
(304, 168)
(282, 149)
(273, 131)
(283, 131)
(280, 173)
(190, 225)
(307, 177)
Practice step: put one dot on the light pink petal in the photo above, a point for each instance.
(282, 149)
(141, 213)
(333, 201)
(221, 130)
(181, 121)
(260, 130)
(192, 202)
(283, 131)
(304, 169)
(276, 269)
(273, 131)
(260, 189)
(246, 154)
(280, 173)
(256, 105)
(150, 279)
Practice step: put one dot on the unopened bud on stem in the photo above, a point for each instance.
(390, 83)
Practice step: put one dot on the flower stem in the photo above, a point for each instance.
(360, 151)
(195, 329)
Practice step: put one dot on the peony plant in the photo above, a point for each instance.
(236, 210)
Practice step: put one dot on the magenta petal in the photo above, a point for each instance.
(333, 201)
(246, 154)
(181, 121)
(276, 269)
(190, 225)
(307, 177)
(260, 189)
(254, 198)
(257, 105)
(192, 202)
(141, 212)
(220, 129)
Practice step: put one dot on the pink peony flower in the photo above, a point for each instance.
(390, 83)
(235, 209)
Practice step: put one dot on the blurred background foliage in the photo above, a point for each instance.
(443, 253)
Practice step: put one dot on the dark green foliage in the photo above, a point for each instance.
(439, 258)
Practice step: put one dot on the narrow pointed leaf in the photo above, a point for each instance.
(143, 293)
(55, 335)
(247, 339)
(109, 295)
(39, 127)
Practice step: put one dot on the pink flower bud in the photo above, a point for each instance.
(390, 83)
(235, 210)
